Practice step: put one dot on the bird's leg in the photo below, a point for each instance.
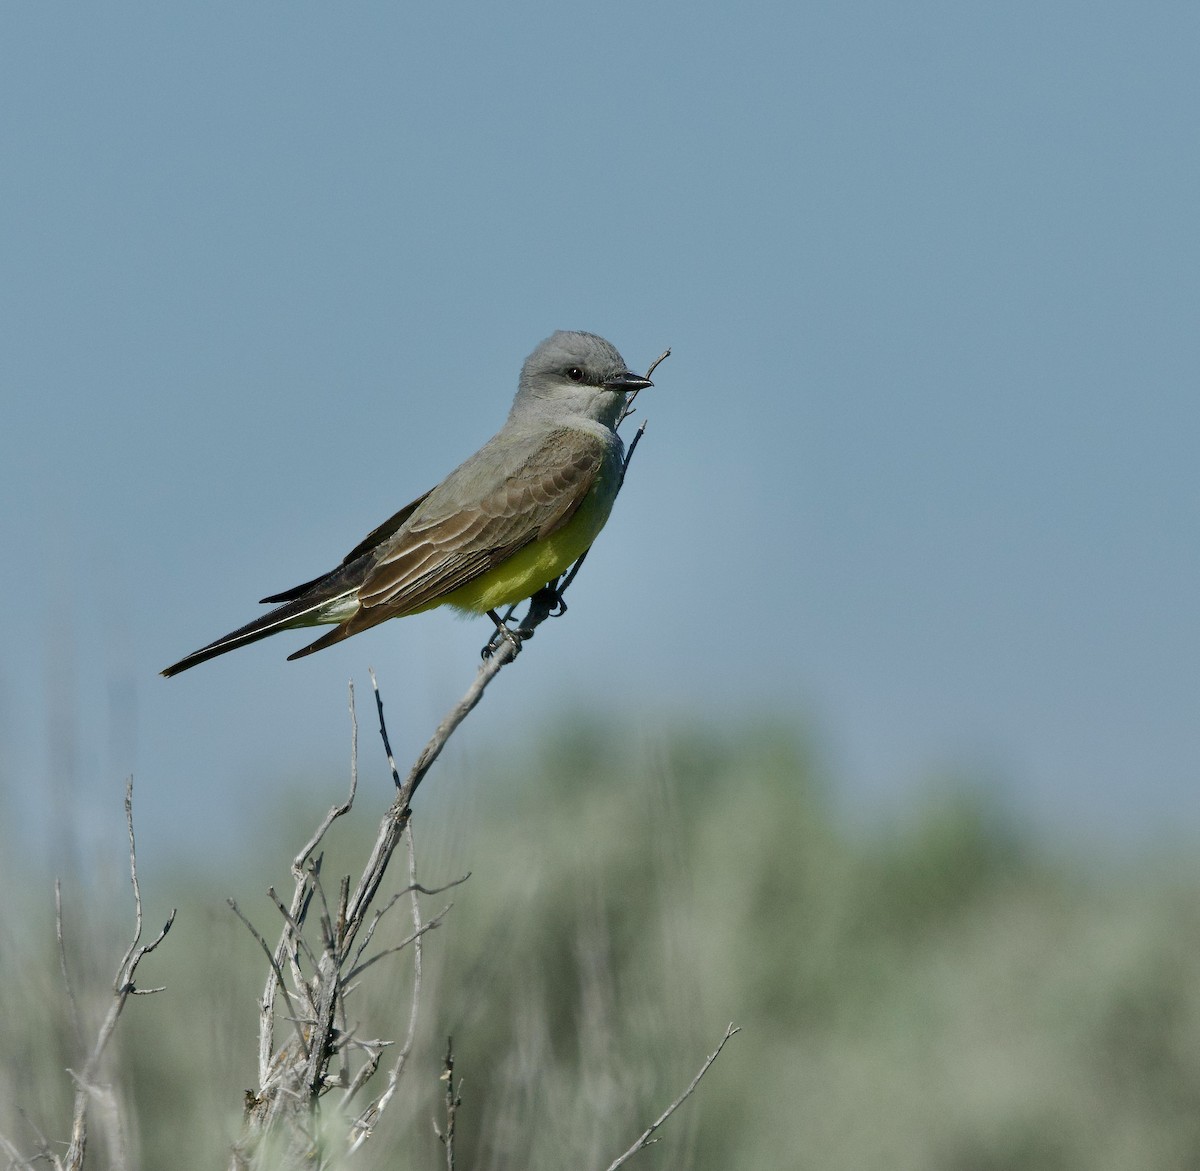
(546, 603)
(502, 633)
(550, 599)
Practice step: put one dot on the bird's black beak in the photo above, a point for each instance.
(627, 381)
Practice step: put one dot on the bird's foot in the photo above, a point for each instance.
(504, 633)
(546, 603)
(558, 604)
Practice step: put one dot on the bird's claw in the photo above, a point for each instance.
(555, 607)
(549, 597)
(505, 633)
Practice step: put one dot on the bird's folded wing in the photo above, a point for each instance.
(331, 583)
(473, 522)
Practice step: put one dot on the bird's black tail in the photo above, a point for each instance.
(301, 607)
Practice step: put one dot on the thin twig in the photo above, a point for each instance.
(287, 947)
(560, 589)
(413, 888)
(453, 1102)
(326, 917)
(627, 410)
(655, 364)
(44, 1152)
(277, 974)
(387, 744)
(425, 927)
(363, 1125)
(637, 438)
(646, 1138)
(418, 951)
(337, 810)
(124, 975)
(330, 817)
(293, 925)
(86, 1087)
(394, 821)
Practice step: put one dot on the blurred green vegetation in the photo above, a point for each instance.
(942, 994)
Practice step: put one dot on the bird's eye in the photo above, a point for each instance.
(575, 374)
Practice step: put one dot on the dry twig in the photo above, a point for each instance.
(453, 1102)
(315, 973)
(646, 1138)
(363, 1124)
(89, 1091)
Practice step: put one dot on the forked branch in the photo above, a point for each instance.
(91, 1095)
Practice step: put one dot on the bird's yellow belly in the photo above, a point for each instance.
(539, 562)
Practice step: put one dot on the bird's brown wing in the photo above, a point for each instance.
(376, 537)
(462, 534)
(462, 529)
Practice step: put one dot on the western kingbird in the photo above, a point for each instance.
(498, 528)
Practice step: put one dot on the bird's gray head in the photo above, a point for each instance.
(576, 373)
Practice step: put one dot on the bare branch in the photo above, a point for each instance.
(337, 810)
(413, 889)
(657, 361)
(453, 1102)
(87, 1089)
(646, 1138)
(637, 438)
(293, 925)
(627, 410)
(364, 1123)
(387, 744)
(45, 1154)
(123, 974)
(288, 945)
(426, 927)
(277, 973)
(396, 818)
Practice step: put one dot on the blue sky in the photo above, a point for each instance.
(919, 474)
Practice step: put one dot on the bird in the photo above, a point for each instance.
(503, 525)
